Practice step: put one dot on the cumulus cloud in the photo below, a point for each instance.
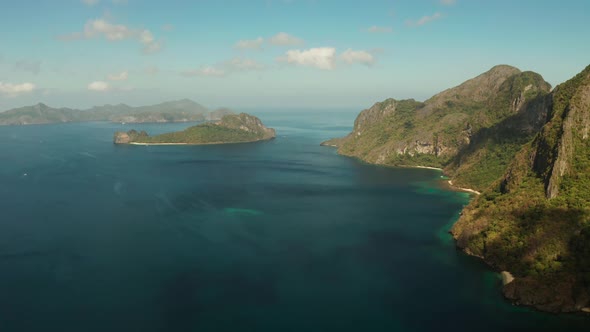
(424, 20)
(90, 2)
(378, 29)
(14, 90)
(285, 39)
(321, 58)
(112, 32)
(122, 76)
(98, 86)
(225, 68)
(448, 2)
(363, 57)
(280, 39)
(116, 32)
(209, 71)
(241, 64)
(150, 44)
(254, 44)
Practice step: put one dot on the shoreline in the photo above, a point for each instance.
(425, 167)
(210, 143)
(450, 182)
(146, 144)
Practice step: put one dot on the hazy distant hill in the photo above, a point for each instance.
(184, 110)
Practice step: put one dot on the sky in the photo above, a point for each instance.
(276, 54)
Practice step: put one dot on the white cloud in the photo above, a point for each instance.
(90, 2)
(254, 44)
(167, 27)
(225, 68)
(98, 86)
(424, 20)
(150, 45)
(123, 76)
(204, 71)
(240, 64)
(13, 90)
(448, 2)
(115, 32)
(322, 57)
(378, 29)
(285, 39)
(362, 57)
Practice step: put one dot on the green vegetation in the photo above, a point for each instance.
(527, 150)
(233, 128)
(472, 131)
(520, 226)
(174, 111)
(202, 134)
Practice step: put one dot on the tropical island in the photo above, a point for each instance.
(526, 148)
(232, 128)
(184, 110)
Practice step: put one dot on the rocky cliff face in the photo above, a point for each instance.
(247, 123)
(535, 220)
(528, 150)
(501, 107)
(128, 137)
(569, 122)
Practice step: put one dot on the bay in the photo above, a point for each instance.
(283, 235)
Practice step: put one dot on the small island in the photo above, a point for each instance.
(232, 128)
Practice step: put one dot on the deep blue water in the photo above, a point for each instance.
(282, 235)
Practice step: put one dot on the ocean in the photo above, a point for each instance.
(283, 235)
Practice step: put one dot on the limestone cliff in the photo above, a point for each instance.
(535, 220)
(480, 123)
(247, 123)
(528, 150)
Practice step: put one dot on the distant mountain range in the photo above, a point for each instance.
(184, 110)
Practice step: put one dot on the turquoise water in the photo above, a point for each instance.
(282, 235)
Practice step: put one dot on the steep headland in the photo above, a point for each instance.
(527, 149)
(535, 220)
(232, 128)
(479, 124)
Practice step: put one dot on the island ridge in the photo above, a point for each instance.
(232, 128)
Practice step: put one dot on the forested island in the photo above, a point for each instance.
(184, 110)
(526, 148)
(232, 128)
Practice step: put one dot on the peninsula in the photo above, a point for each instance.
(232, 128)
(526, 149)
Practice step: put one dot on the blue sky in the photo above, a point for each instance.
(276, 53)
